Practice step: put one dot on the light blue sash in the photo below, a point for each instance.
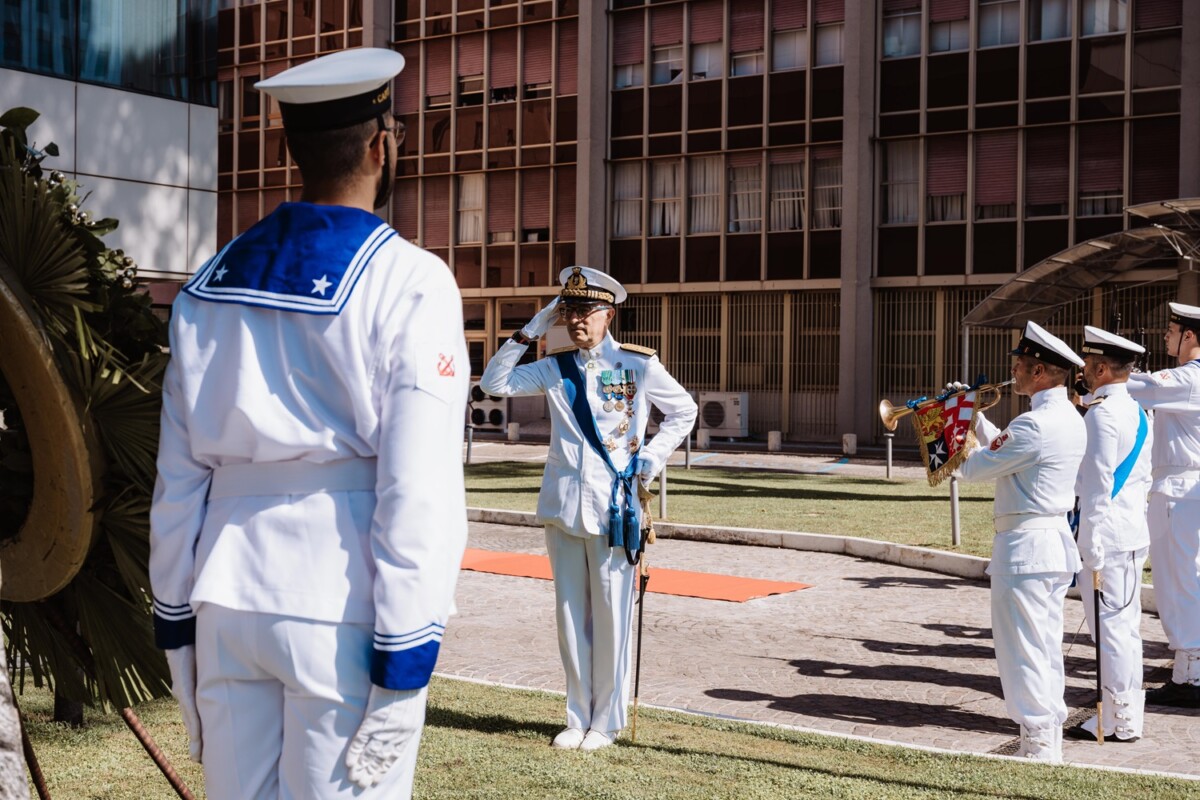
(1126, 466)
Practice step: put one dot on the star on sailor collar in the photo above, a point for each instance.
(321, 284)
(219, 274)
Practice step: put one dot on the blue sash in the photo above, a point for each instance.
(624, 528)
(1126, 466)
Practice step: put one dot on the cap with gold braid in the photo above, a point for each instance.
(1039, 343)
(1099, 342)
(586, 285)
(1185, 316)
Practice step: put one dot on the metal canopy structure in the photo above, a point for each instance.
(1171, 238)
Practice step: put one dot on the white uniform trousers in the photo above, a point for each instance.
(279, 700)
(1175, 560)
(1027, 629)
(1120, 638)
(593, 594)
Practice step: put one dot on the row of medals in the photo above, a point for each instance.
(619, 389)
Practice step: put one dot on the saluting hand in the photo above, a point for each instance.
(542, 321)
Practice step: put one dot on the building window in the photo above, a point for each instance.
(470, 90)
(667, 64)
(789, 50)
(945, 37)
(664, 198)
(999, 22)
(787, 196)
(1049, 19)
(946, 178)
(627, 200)
(626, 76)
(706, 61)
(704, 191)
(1103, 16)
(746, 63)
(829, 45)
(470, 208)
(827, 192)
(899, 182)
(901, 33)
(745, 198)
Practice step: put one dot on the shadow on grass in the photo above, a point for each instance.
(496, 723)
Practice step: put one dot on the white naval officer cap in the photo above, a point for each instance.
(1039, 343)
(335, 91)
(1099, 342)
(587, 285)
(1185, 316)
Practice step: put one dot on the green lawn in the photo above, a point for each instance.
(902, 511)
(485, 742)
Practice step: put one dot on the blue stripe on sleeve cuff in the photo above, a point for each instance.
(404, 669)
(170, 634)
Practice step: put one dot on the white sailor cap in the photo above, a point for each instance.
(587, 285)
(335, 91)
(1099, 342)
(1039, 343)
(1187, 316)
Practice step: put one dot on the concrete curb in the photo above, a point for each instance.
(957, 564)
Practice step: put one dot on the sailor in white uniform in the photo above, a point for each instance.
(309, 516)
(1114, 481)
(1034, 462)
(599, 393)
(1174, 397)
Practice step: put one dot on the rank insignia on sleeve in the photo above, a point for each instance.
(999, 441)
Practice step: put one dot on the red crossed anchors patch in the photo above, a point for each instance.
(445, 365)
(999, 441)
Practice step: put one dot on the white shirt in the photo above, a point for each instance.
(577, 484)
(1107, 522)
(385, 378)
(1174, 397)
(1034, 462)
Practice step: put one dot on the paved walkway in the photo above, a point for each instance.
(871, 649)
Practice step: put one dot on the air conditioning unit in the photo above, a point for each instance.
(656, 418)
(486, 412)
(725, 414)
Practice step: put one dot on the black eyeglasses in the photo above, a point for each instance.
(580, 312)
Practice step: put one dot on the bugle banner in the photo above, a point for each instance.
(945, 428)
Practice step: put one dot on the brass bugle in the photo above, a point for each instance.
(890, 414)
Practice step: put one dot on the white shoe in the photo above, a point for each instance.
(569, 739)
(596, 740)
(1041, 745)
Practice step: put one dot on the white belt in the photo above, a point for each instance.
(1012, 522)
(293, 477)
(1175, 472)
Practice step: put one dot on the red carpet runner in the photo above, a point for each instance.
(662, 581)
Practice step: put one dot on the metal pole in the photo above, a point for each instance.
(470, 439)
(662, 493)
(687, 451)
(966, 352)
(889, 437)
(955, 536)
(1099, 679)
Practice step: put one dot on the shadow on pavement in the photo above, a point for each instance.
(898, 581)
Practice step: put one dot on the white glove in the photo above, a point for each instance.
(956, 386)
(392, 717)
(182, 663)
(1093, 558)
(647, 472)
(542, 321)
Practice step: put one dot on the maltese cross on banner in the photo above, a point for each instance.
(945, 431)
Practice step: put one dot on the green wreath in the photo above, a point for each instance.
(81, 360)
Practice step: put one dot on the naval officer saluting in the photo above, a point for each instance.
(599, 393)
(309, 517)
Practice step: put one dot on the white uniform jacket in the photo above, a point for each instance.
(1034, 462)
(1174, 397)
(577, 484)
(318, 336)
(1108, 523)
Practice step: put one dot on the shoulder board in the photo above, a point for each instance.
(637, 348)
(566, 349)
(1095, 402)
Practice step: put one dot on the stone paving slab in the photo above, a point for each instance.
(872, 649)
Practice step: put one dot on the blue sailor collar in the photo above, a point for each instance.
(301, 257)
